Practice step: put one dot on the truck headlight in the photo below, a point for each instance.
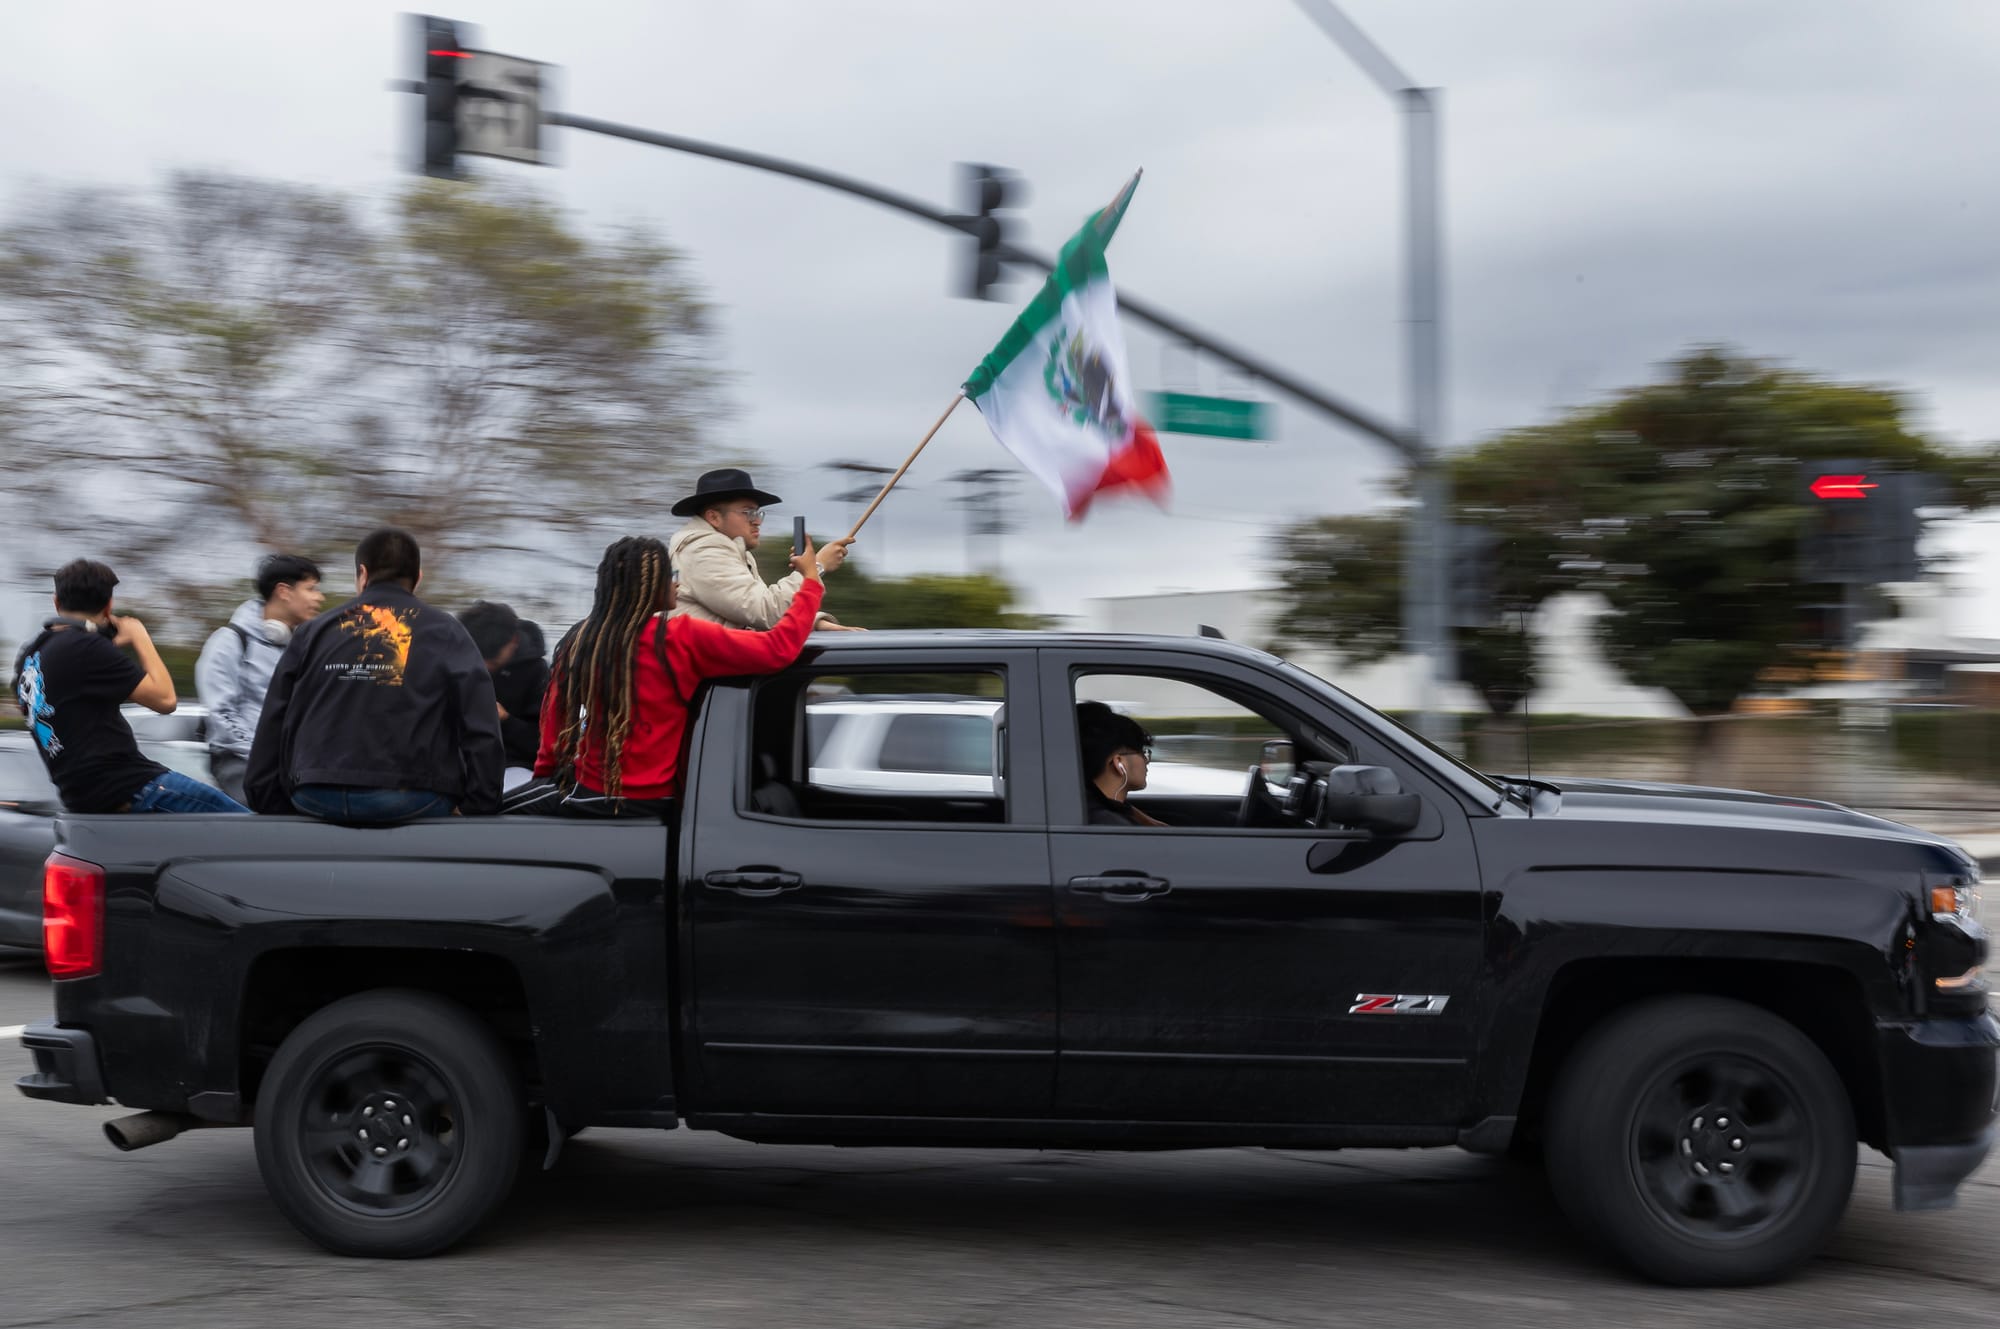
(1957, 903)
(1951, 950)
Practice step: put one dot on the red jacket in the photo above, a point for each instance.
(697, 650)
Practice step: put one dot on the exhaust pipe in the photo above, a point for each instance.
(144, 1128)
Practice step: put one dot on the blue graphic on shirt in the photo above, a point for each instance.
(33, 691)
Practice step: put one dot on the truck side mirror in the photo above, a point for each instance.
(1277, 762)
(1372, 799)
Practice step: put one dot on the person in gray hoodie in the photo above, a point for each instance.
(234, 670)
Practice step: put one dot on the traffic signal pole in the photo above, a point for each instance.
(1427, 634)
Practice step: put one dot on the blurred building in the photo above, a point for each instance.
(1916, 654)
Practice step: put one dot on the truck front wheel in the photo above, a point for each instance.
(1704, 1140)
(389, 1124)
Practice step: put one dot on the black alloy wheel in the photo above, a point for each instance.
(379, 1129)
(1704, 1140)
(390, 1124)
(1721, 1146)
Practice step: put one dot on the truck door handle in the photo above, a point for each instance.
(754, 881)
(1122, 887)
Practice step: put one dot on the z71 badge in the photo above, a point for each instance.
(1396, 1003)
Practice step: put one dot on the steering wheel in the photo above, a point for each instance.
(1258, 795)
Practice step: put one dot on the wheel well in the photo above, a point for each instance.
(286, 986)
(1823, 1002)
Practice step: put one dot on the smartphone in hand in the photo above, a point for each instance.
(798, 536)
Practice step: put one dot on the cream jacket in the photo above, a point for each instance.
(720, 581)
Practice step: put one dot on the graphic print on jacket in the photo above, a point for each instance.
(384, 634)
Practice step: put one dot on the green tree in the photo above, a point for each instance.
(245, 362)
(1678, 501)
(1687, 511)
(1340, 584)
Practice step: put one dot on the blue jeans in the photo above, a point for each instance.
(174, 792)
(354, 805)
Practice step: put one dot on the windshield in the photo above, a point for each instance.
(1484, 780)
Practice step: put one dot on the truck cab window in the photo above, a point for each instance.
(1199, 746)
(881, 747)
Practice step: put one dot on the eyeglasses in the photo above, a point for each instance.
(755, 516)
(1146, 752)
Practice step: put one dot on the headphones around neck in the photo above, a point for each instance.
(71, 621)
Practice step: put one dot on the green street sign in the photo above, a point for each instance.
(1217, 417)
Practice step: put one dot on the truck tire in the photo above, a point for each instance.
(389, 1124)
(1705, 1141)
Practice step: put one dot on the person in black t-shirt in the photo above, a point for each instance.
(70, 681)
(1116, 753)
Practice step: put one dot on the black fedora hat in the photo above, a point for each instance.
(714, 486)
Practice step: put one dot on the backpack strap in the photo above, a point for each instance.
(666, 665)
(244, 638)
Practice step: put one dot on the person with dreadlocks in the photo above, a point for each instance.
(621, 680)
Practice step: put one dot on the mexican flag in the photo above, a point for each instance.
(1056, 392)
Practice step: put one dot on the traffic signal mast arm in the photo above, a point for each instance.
(1318, 399)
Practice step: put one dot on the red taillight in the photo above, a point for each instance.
(72, 917)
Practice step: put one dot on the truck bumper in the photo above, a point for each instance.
(66, 1065)
(1927, 1175)
(1941, 1083)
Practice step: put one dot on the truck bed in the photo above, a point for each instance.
(218, 933)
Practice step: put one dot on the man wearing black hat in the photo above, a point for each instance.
(719, 580)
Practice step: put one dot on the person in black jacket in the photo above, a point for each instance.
(513, 648)
(380, 711)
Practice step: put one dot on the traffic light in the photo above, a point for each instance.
(445, 62)
(987, 190)
(1863, 523)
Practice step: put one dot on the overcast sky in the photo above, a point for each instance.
(1805, 180)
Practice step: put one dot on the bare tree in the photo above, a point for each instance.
(186, 347)
(241, 360)
(559, 380)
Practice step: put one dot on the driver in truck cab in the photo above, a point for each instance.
(621, 680)
(1116, 754)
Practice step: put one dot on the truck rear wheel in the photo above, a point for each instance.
(1704, 1140)
(389, 1124)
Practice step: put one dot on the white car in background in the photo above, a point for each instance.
(946, 745)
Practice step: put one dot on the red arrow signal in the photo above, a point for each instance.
(1842, 486)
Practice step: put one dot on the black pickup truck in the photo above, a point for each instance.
(1693, 1003)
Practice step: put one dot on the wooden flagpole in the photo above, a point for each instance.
(958, 397)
